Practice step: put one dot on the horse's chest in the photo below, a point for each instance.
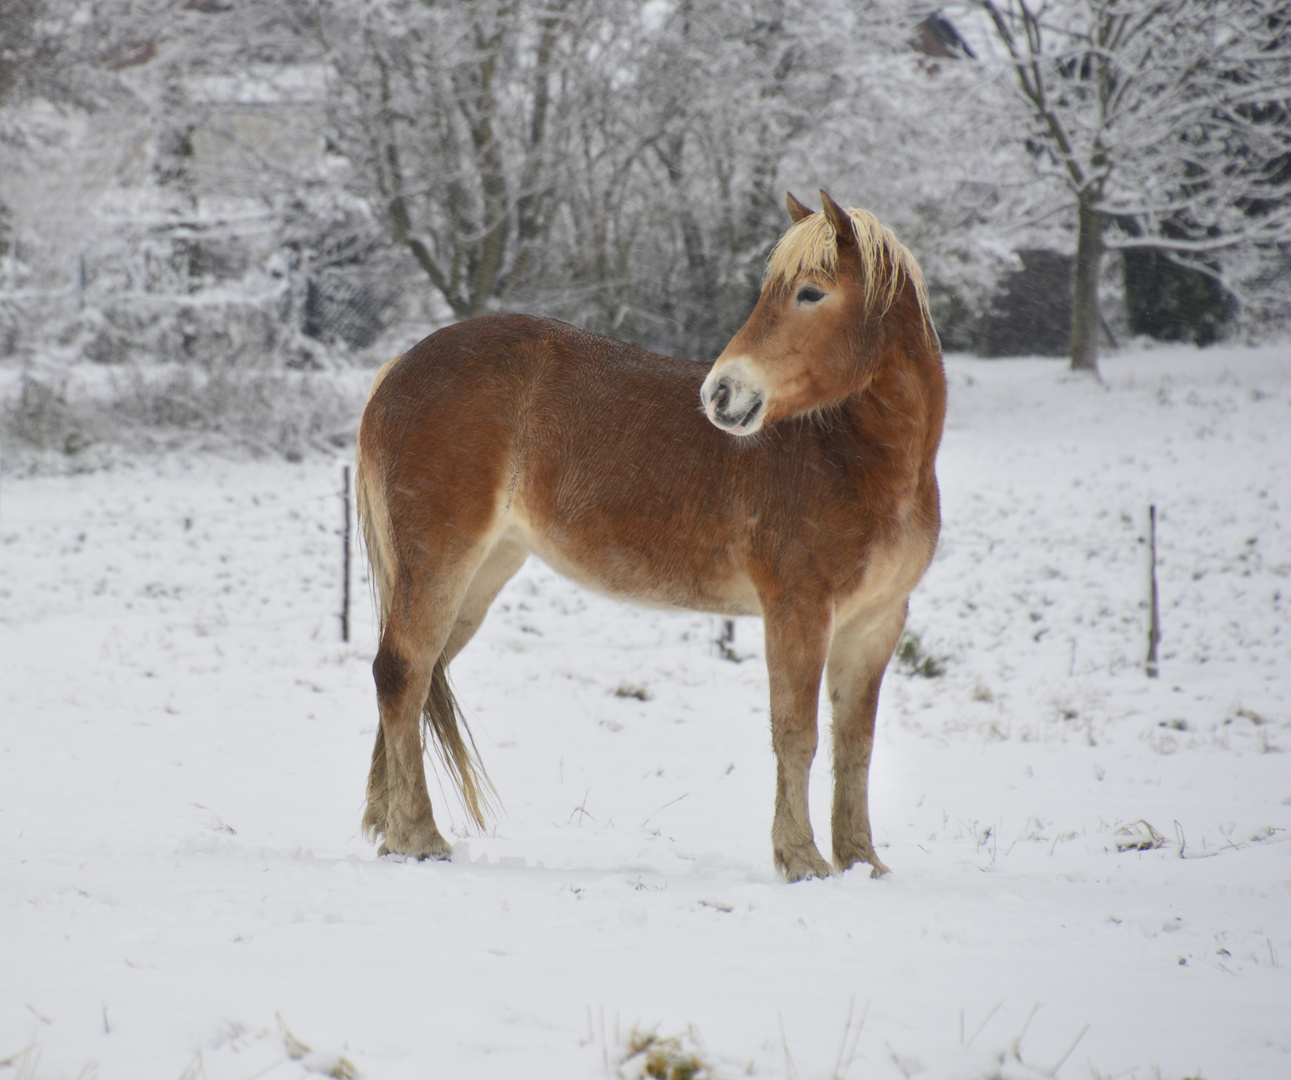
(884, 579)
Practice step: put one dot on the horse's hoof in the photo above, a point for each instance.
(435, 848)
(859, 854)
(803, 865)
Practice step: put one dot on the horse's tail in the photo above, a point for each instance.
(374, 516)
(441, 714)
(443, 719)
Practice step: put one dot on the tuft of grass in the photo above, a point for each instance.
(649, 1055)
(25, 1061)
(633, 690)
(337, 1066)
(914, 658)
(1138, 836)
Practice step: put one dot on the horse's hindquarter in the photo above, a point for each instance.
(438, 437)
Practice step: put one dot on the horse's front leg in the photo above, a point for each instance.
(858, 656)
(797, 637)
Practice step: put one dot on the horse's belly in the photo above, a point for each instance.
(670, 579)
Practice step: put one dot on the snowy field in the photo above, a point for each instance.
(184, 892)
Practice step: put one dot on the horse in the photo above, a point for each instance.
(793, 480)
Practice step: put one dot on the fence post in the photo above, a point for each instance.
(1154, 618)
(345, 555)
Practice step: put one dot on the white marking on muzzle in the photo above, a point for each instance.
(733, 398)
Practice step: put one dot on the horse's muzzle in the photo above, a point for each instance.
(732, 405)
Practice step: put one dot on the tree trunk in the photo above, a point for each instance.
(1084, 310)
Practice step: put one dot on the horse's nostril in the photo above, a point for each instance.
(723, 396)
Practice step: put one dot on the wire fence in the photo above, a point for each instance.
(185, 519)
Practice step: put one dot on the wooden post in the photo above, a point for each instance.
(345, 555)
(1154, 623)
(726, 643)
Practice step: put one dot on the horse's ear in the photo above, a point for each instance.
(839, 218)
(796, 210)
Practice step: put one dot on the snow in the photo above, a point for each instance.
(185, 740)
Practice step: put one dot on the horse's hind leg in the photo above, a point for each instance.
(398, 803)
(507, 556)
(421, 615)
(797, 639)
(403, 669)
(857, 659)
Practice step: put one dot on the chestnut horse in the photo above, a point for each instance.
(792, 480)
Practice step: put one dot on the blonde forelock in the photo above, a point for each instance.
(811, 246)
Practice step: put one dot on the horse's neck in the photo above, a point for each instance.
(901, 407)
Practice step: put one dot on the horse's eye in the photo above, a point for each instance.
(809, 294)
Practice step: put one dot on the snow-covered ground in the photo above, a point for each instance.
(184, 891)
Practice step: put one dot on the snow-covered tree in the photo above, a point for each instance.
(41, 44)
(1149, 124)
(455, 119)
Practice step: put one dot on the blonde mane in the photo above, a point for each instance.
(811, 246)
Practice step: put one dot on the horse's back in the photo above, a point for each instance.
(514, 343)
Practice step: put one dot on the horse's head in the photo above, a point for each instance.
(812, 339)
